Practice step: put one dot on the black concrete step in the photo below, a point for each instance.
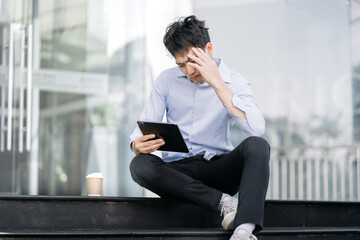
(45, 217)
(217, 234)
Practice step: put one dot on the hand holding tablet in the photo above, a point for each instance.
(170, 133)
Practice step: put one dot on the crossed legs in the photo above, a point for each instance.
(244, 170)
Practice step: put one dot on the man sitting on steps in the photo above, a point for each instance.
(205, 98)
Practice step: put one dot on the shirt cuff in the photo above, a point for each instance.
(238, 102)
(136, 133)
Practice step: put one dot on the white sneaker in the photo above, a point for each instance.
(242, 234)
(228, 207)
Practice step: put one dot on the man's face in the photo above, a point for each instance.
(191, 72)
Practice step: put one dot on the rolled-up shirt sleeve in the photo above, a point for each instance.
(243, 99)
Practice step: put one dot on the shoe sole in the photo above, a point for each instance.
(228, 222)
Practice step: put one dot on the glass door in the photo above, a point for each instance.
(15, 84)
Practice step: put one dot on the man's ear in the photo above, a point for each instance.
(209, 48)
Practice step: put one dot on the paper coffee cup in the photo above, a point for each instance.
(94, 184)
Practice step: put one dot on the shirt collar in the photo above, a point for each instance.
(223, 70)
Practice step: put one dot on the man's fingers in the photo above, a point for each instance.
(150, 143)
(201, 53)
(143, 144)
(196, 59)
(147, 137)
(152, 148)
(197, 66)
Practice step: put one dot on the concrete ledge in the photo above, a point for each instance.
(111, 217)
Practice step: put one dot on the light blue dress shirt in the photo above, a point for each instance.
(202, 118)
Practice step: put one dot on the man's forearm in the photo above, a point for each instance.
(225, 95)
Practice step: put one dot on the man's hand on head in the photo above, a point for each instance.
(143, 144)
(210, 73)
(206, 66)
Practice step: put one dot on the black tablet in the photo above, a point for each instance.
(174, 141)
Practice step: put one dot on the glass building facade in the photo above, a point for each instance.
(92, 64)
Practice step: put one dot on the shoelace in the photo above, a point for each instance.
(246, 237)
(240, 238)
(243, 238)
(228, 206)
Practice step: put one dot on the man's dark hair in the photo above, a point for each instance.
(184, 33)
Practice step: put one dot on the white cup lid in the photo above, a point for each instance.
(95, 175)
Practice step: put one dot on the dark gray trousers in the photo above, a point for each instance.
(245, 170)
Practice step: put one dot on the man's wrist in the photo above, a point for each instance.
(218, 84)
(134, 149)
